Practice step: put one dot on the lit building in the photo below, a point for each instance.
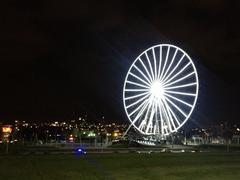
(6, 132)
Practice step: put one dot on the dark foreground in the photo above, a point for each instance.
(121, 166)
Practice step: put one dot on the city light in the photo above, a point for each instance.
(70, 138)
(115, 134)
(91, 134)
(6, 129)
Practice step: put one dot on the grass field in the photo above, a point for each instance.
(182, 166)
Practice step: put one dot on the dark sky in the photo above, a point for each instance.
(59, 57)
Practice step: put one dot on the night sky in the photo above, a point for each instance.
(60, 59)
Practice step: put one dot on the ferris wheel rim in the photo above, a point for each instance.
(196, 83)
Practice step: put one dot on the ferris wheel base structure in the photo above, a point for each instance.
(160, 91)
(151, 140)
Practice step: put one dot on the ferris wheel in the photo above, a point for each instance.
(160, 90)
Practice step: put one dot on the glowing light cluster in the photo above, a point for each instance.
(6, 129)
(160, 90)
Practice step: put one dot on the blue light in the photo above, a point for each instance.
(80, 151)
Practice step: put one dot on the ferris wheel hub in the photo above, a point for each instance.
(157, 89)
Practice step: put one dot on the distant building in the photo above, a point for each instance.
(196, 140)
(217, 140)
(236, 139)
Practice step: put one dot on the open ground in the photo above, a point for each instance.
(114, 166)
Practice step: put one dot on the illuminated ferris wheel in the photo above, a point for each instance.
(160, 90)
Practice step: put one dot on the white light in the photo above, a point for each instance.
(157, 90)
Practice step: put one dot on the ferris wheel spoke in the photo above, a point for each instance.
(181, 86)
(156, 126)
(156, 120)
(138, 101)
(155, 63)
(171, 114)
(179, 100)
(149, 82)
(140, 79)
(164, 115)
(150, 121)
(140, 112)
(137, 84)
(160, 62)
(175, 53)
(166, 129)
(167, 115)
(165, 63)
(135, 90)
(145, 69)
(180, 110)
(176, 81)
(171, 120)
(164, 122)
(149, 107)
(181, 93)
(177, 73)
(175, 67)
(140, 106)
(170, 109)
(150, 65)
(161, 118)
(142, 125)
(136, 96)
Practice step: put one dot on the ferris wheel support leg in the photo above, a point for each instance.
(127, 130)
